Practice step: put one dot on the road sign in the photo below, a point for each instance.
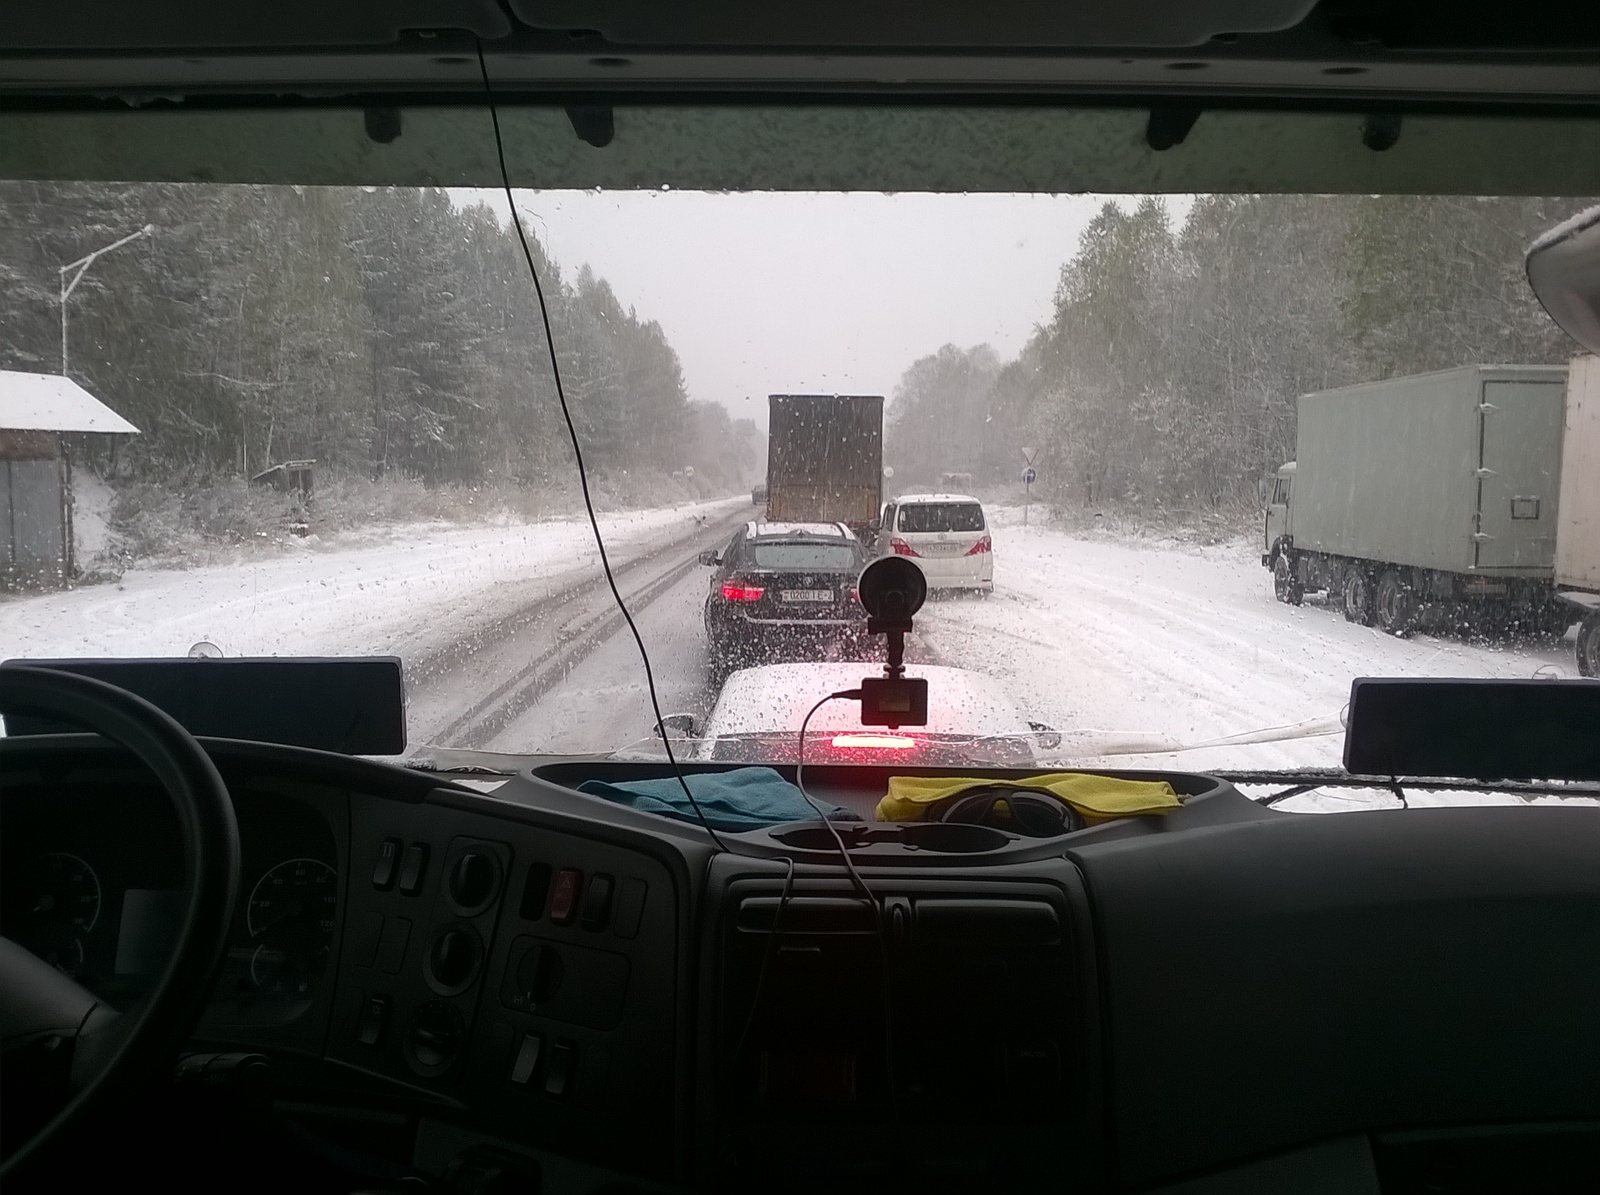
(1030, 475)
(1028, 454)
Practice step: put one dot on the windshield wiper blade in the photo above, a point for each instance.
(465, 769)
(1294, 782)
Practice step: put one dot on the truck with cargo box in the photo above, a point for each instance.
(1426, 497)
(825, 458)
(1577, 566)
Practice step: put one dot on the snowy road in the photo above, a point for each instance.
(1140, 648)
(1139, 652)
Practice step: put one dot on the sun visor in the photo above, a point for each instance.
(1564, 271)
(1474, 729)
(353, 706)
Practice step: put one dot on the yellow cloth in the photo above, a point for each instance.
(1097, 798)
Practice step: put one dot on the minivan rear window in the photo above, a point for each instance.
(830, 558)
(941, 516)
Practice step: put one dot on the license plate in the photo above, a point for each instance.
(806, 595)
(943, 549)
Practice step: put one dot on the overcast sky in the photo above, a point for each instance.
(774, 292)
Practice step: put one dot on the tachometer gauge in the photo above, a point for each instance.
(57, 902)
(290, 918)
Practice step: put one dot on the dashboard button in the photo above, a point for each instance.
(392, 945)
(564, 900)
(534, 890)
(435, 1039)
(630, 907)
(364, 939)
(373, 1022)
(527, 1059)
(558, 1069)
(413, 868)
(474, 881)
(597, 902)
(384, 868)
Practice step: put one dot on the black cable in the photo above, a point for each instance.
(871, 898)
(766, 962)
(577, 452)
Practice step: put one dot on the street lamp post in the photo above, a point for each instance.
(81, 265)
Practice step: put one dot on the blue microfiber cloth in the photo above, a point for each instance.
(743, 799)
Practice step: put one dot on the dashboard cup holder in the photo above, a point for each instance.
(947, 838)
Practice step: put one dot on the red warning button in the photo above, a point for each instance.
(564, 897)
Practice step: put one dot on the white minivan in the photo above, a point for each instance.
(946, 534)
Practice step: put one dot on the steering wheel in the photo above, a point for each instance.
(42, 1010)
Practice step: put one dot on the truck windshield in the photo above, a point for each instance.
(322, 421)
(941, 516)
(833, 558)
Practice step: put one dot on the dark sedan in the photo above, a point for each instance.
(784, 591)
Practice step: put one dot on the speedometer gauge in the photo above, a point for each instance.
(58, 902)
(290, 918)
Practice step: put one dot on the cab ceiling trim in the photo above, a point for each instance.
(447, 64)
(811, 147)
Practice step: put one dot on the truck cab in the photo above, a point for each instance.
(1279, 524)
(1278, 535)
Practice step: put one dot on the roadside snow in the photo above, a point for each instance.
(91, 514)
(419, 590)
(1136, 650)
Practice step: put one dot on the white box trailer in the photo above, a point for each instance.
(1577, 565)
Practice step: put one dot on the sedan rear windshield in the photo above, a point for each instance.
(942, 516)
(831, 558)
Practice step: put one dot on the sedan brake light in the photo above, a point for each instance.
(734, 590)
(901, 548)
(979, 548)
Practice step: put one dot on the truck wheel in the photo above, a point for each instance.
(1588, 647)
(1396, 604)
(1357, 594)
(1286, 586)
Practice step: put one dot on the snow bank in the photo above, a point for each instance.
(1142, 649)
(407, 596)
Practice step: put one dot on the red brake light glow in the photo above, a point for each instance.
(741, 591)
(979, 548)
(900, 547)
(878, 742)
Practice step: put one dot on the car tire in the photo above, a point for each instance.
(1395, 604)
(1588, 645)
(1286, 586)
(1356, 594)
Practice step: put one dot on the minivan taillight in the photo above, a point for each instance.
(734, 590)
(979, 548)
(901, 548)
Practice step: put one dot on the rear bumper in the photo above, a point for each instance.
(771, 639)
(958, 572)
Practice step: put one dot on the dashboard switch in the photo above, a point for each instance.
(373, 1022)
(534, 890)
(527, 1059)
(564, 900)
(364, 940)
(630, 907)
(558, 1068)
(597, 902)
(413, 868)
(388, 860)
(392, 945)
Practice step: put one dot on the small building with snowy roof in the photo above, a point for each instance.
(36, 411)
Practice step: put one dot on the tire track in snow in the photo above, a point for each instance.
(1178, 642)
